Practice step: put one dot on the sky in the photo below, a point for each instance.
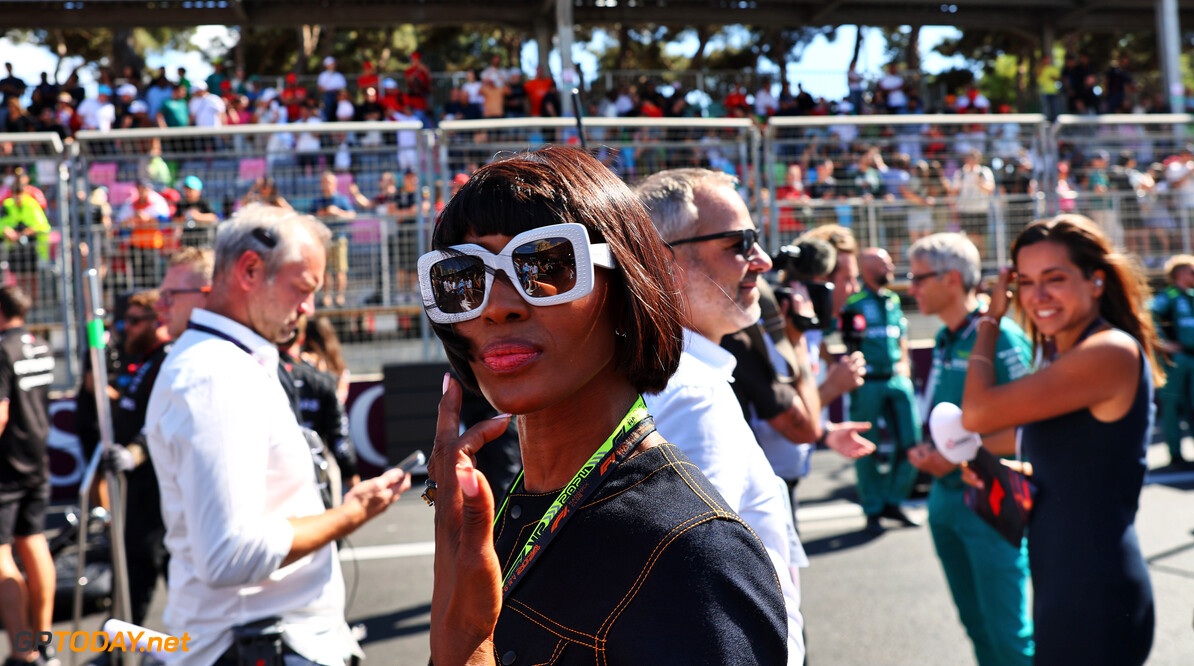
(822, 68)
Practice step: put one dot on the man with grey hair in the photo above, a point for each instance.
(249, 539)
(718, 263)
(184, 288)
(987, 576)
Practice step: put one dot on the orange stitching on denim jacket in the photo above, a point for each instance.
(688, 479)
(531, 614)
(676, 532)
(611, 496)
(554, 655)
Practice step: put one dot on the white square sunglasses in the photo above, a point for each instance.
(547, 266)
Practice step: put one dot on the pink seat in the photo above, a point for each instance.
(102, 173)
(119, 193)
(251, 168)
(365, 232)
(343, 182)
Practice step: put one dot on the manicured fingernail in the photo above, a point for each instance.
(467, 479)
(447, 378)
(500, 416)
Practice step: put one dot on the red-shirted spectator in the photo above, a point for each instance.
(536, 89)
(391, 99)
(649, 109)
(293, 96)
(788, 195)
(735, 101)
(418, 83)
(369, 78)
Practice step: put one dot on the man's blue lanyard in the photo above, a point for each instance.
(222, 335)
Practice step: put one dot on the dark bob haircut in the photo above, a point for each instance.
(556, 185)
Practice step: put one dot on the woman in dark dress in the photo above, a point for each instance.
(611, 547)
(1086, 415)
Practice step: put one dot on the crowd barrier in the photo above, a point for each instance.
(40, 264)
(397, 177)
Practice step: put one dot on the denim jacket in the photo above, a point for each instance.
(653, 568)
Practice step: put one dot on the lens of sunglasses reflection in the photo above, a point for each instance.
(546, 267)
(458, 283)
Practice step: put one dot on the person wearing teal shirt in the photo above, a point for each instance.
(173, 112)
(873, 323)
(1173, 313)
(987, 576)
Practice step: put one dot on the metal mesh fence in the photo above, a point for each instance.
(633, 148)
(151, 192)
(35, 238)
(893, 179)
(138, 195)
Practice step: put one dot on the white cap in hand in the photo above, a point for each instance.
(956, 444)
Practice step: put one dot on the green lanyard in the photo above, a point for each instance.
(634, 428)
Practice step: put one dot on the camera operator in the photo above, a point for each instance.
(774, 379)
(873, 323)
(254, 575)
(843, 374)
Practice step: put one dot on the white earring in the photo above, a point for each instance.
(1098, 283)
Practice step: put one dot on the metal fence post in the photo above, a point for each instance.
(770, 159)
(997, 213)
(1185, 212)
(872, 224)
(426, 141)
(757, 186)
(66, 259)
(1048, 133)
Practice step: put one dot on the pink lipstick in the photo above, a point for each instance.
(506, 356)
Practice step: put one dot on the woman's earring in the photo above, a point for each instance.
(1098, 282)
(619, 333)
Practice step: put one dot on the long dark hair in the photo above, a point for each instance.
(1123, 301)
(559, 184)
(321, 338)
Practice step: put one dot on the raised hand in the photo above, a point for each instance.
(467, 594)
(1001, 294)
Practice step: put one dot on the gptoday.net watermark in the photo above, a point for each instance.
(101, 641)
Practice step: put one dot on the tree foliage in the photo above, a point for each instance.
(105, 47)
(1008, 60)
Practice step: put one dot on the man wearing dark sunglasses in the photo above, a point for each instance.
(718, 262)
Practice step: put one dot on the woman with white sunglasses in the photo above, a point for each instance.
(611, 547)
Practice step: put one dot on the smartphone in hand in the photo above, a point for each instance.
(409, 463)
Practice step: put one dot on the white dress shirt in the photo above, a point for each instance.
(233, 467)
(699, 414)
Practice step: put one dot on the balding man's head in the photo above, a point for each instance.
(876, 267)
